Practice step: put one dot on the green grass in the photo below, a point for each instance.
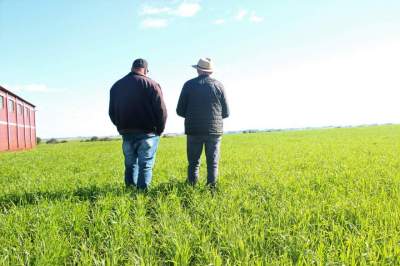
(325, 197)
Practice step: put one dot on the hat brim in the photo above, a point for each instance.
(203, 69)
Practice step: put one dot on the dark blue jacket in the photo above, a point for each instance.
(137, 105)
(203, 104)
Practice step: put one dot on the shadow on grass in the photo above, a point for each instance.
(90, 193)
(94, 192)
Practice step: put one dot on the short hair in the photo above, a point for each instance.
(140, 63)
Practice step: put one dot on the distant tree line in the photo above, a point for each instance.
(95, 138)
(250, 131)
(55, 141)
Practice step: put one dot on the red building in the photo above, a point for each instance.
(17, 122)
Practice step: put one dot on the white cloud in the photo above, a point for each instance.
(219, 21)
(154, 23)
(187, 9)
(241, 14)
(184, 9)
(256, 19)
(149, 10)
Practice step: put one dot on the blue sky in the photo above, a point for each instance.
(284, 63)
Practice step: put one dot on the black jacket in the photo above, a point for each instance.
(203, 104)
(137, 105)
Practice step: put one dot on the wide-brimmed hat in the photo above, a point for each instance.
(205, 65)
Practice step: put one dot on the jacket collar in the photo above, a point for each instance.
(136, 74)
(203, 76)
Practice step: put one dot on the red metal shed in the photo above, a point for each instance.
(17, 122)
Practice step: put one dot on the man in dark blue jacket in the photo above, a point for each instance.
(203, 104)
(138, 111)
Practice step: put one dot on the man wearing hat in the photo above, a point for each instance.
(138, 111)
(203, 104)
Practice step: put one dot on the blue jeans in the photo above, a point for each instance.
(140, 153)
(212, 146)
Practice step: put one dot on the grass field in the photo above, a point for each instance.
(328, 197)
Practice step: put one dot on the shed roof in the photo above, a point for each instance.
(13, 94)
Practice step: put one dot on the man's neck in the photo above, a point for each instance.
(138, 73)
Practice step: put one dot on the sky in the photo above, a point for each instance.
(284, 63)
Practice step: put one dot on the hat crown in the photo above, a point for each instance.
(205, 63)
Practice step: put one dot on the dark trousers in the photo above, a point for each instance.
(212, 146)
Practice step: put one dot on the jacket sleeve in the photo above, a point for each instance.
(111, 109)
(159, 109)
(224, 103)
(182, 102)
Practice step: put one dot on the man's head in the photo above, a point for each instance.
(140, 66)
(204, 67)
